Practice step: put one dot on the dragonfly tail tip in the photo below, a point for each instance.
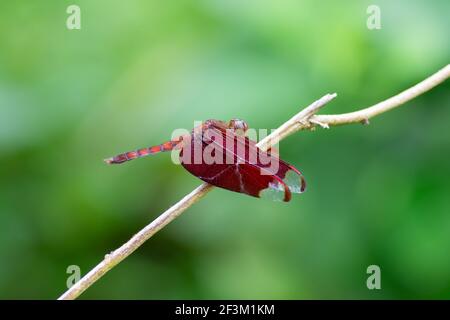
(109, 160)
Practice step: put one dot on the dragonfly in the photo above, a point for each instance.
(238, 164)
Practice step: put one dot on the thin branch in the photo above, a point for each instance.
(303, 120)
(135, 242)
(364, 115)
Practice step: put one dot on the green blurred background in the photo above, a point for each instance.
(139, 69)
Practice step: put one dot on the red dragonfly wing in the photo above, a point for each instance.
(286, 172)
(238, 166)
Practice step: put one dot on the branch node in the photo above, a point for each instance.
(321, 124)
(304, 123)
(365, 122)
(108, 255)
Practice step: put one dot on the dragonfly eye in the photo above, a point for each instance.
(238, 124)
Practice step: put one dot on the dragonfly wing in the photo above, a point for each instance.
(262, 186)
(242, 178)
(288, 173)
(292, 177)
(245, 173)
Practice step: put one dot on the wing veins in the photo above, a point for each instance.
(216, 175)
(243, 160)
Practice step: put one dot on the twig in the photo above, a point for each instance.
(304, 119)
(298, 121)
(363, 116)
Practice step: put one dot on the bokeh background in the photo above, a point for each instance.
(139, 69)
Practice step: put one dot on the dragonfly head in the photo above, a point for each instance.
(238, 124)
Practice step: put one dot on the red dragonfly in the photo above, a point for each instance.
(218, 153)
